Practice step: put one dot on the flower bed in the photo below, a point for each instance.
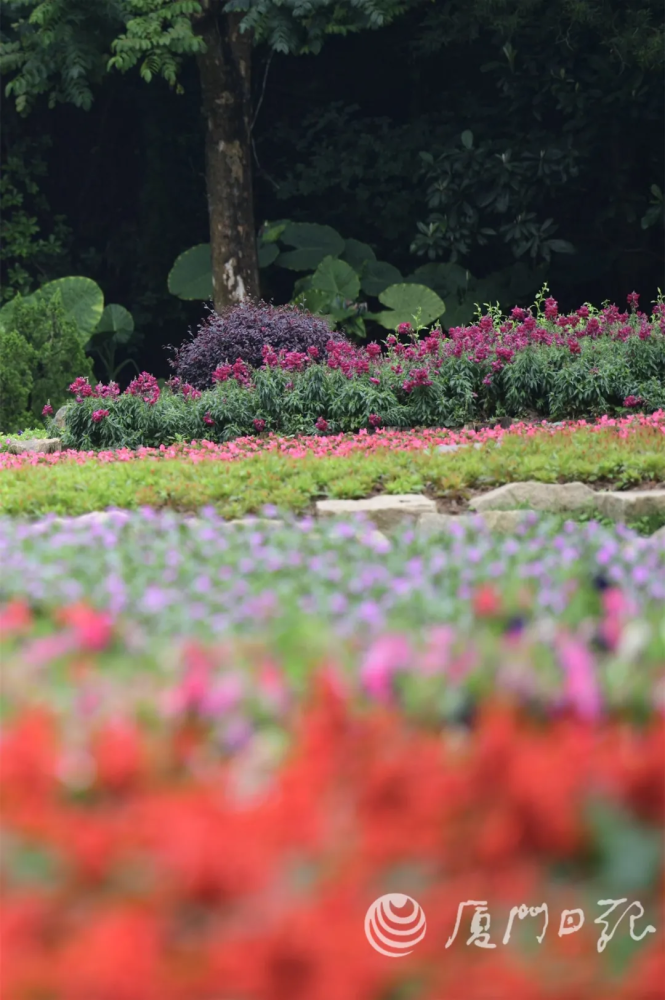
(240, 477)
(147, 856)
(209, 577)
(603, 653)
(585, 364)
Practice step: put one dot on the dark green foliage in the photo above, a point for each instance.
(41, 356)
(16, 363)
(542, 381)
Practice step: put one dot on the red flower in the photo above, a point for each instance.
(486, 601)
(93, 628)
(15, 617)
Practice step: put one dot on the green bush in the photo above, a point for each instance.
(40, 356)
(17, 360)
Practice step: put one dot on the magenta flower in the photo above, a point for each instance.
(99, 415)
(631, 401)
(47, 410)
(80, 387)
(385, 658)
(321, 424)
(208, 420)
(581, 684)
(259, 425)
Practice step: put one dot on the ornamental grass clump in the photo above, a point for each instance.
(242, 332)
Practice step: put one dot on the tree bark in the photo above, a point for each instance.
(224, 70)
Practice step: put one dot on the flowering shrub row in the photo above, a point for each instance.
(143, 861)
(561, 367)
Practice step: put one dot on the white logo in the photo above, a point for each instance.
(396, 921)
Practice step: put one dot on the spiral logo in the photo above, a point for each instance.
(394, 924)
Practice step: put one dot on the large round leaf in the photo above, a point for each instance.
(409, 304)
(378, 276)
(337, 278)
(82, 299)
(315, 300)
(267, 253)
(358, 254)
(191, 275)
(312, 243)
(115, 319)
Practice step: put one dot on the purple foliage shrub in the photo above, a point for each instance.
(243, 331)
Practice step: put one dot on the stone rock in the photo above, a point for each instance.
(257, 522)
(45, 446)
(385, 511)
(505, 521)
(553, 497)
(659, 536)
(59, 418)
(448, 447)
(631, 504)
(433, 523)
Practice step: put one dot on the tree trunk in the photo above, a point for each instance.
(224, 69)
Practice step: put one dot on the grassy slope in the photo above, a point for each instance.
(244, 486)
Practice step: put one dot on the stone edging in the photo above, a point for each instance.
(502, 510)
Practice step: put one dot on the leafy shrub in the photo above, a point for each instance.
(16, 363)
(545, 366)
(242, 332)
(40, 355)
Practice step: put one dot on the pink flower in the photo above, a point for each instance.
(222, 373)
(404, 328)
(385, 658)
(81, 387)
(144, 385)
(47, 410)
(98, 415)
(189, 392)
(581, 685)
(633, 300)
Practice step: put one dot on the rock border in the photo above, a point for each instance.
(492, 510)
